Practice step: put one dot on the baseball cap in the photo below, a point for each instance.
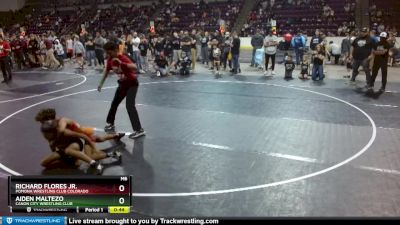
(383, 34)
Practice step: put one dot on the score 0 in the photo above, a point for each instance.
(122, 188)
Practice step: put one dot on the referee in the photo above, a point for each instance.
(127, 87)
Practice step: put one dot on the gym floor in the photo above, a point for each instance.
(238, 146)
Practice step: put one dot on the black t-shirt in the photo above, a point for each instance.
(204, 41)
(168, 48)
(90, 46)
(159, 46)
(129, 47)
(317, 61)
(362, 47)
(162, 63)
(304, 68)
(289, 66)
(33, 45)
(176, 43)
(314, 42)
(219, 38)
(143, 47)
(382, 45)
(235, 50)
(186, 48)
(193, 45)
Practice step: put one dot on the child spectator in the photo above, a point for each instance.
(305, 65)
(161, 65)
(318, 63)
(59, 52)
(216, 56)
(184, 64)
(289, 67)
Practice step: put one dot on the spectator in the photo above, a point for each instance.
(143, 47)
(79, 51)
(381, 53)
(70, 47)
(17, 47)
(204, 47)
(59, 52)
(5, 61)
(50, 58)
(335, 51)
(346, 45)
(257, 41)
(226, 50)
(176, 46)
(197, 37)
(318, 63)
(315, 40)
(299, 43)
(186, 44)
(270, 45)
(161, 65)
(136, 52)
(288, 39)
(235, 53)
(90, 51)
(33, 51)
(99, 42)
(361, 54)
(289, 67)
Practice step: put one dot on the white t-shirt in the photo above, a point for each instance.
(59, 49)
(70, 44)
(335, 49)
(271, 50)
(135, 44)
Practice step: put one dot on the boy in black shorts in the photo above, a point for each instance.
(289, 67)
(184, 64)
(304, 69)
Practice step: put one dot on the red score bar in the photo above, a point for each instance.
(64, 186)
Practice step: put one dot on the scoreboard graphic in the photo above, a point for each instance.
(97, 194)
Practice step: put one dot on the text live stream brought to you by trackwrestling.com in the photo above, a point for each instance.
(61, 220)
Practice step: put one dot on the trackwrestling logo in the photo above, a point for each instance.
(34, 220)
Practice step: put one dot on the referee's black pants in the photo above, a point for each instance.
(130, 94)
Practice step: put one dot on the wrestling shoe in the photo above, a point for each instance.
(109, 127)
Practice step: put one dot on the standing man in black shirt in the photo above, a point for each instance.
(361, 53)
(143, 48)
(381, 53)
(159, 46)
(204, 48)
(176, 46)
(235, 50)
(257, 41)
(194, 46)
(168, 49)
(316, 40)
(186, 44)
